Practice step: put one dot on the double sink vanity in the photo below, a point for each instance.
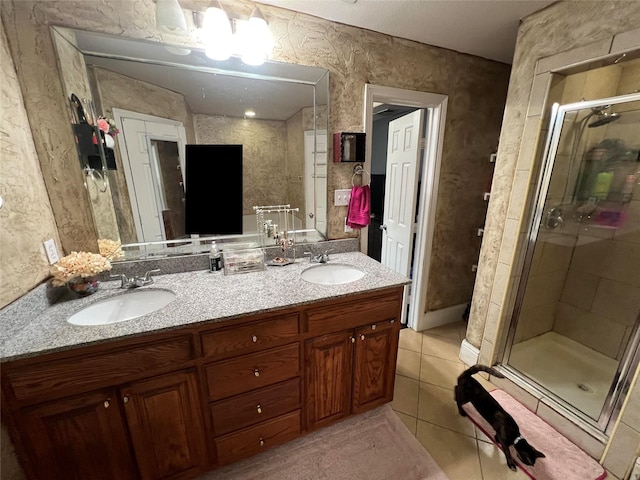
(229, 366)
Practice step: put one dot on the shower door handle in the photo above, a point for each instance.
(554, 219)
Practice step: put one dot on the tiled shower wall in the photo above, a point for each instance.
(581, 283)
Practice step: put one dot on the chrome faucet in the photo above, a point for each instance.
(136, 280)
(318, 258)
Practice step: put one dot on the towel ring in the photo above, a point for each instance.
(359, 170)
(96, 176)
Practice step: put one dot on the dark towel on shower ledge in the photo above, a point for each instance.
(359, 207)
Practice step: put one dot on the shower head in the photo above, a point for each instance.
(604, 118)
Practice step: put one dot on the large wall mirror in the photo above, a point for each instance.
(162, 98)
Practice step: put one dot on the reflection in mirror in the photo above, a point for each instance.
(161, 102)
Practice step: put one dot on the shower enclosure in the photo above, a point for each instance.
(574, 333)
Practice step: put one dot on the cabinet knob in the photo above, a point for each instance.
(373, 327)
(125, 399)
(261, 441)
(392, 321)
(259, 409)
(353, 340)
(256, 372)
(254, 339)
(106, 403)
(361, 337)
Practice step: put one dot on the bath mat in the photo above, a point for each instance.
(564, 460)
(374, 445)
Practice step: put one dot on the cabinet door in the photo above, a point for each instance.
(166, 426)
(79, 438)
(374, 368)
(328, 378)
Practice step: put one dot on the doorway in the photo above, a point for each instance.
(428, 171)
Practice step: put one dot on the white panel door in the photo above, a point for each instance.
(403, 157)
(143, 173)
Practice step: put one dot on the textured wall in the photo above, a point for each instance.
(354, 57)
(26, 219)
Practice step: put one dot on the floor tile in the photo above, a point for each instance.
(409, 421)
(410, 340)
(455, 453)
(437, 405)
(450, 330)
(439, 371)
(408, 364)
(441, 347)
(405, 396)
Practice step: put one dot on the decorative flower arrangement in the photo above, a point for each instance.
(108, 125)
(110, 249)
(78, 264)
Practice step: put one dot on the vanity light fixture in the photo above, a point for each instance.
(224, 36)
(249, 113)
(170, 18)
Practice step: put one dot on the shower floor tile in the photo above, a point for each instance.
(579, 375)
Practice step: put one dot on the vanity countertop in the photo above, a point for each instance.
(201, 296)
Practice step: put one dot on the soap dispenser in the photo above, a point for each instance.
(215, 258)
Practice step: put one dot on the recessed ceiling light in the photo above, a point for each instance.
(249, 113)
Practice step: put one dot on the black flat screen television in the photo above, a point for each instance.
(213, 189)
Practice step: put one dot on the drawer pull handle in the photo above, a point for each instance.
(126, 399)
(361, 337)
(254, 339)
(261, 442)
(259, 408)
(392, 321)
(373, 327)
(353, 340)
(106, 403)
(256, 372)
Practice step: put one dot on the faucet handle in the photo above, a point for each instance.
(147, 275)
(124, 280)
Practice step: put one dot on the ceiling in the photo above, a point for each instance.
(485, 28)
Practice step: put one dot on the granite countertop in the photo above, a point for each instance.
(201, 296)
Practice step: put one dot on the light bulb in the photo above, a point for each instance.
(256, 41)
(217, 34)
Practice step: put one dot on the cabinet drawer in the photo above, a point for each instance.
(258, 438)
(251, 408)
(81, 372)
(238, 339)
(345, 315)
(251, 371)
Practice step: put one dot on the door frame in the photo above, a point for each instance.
(435, 106)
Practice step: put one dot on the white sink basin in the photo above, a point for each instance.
(332, 274)
(123, 307)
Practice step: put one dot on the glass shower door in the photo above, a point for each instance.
(575, 325)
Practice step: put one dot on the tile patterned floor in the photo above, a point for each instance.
(427, 370)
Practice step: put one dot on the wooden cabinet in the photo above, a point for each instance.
(97, 435)
(174, 405)
(78, 438)
(254, 385)
(349, 372)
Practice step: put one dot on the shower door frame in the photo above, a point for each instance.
(631, 358)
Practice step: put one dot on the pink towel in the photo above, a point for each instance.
(359, 207)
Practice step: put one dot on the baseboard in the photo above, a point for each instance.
(468, 353)
(441, 317)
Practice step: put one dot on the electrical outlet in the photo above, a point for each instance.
(347, 228)
(52, 251)
(341, 197)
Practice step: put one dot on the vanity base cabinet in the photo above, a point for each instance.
(174, 405)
